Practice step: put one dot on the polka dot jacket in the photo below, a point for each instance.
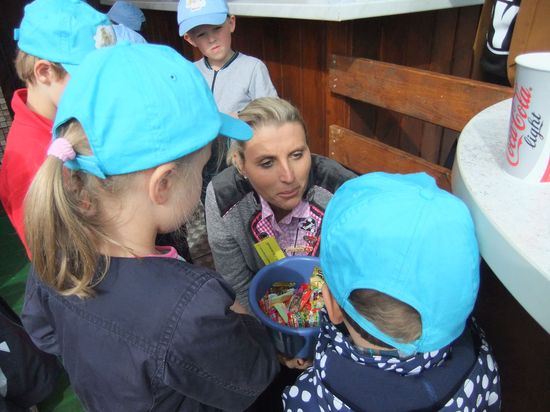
(460, 377)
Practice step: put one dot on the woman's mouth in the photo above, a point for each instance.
(289, 194)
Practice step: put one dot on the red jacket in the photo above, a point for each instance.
(26, 146)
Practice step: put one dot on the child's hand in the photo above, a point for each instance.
(238, 308)
(295, 363)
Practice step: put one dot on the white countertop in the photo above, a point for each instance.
(512, 217)
(329, 10)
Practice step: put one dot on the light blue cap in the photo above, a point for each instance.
(193, 13)
(126, 13)
(126, 34)
(141, 105)
(63, 31)
(403, 236)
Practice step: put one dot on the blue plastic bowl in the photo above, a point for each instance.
(292, 342)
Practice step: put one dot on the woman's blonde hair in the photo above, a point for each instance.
(265, 111)
(393, 317)
(65, 220)
(24, 66)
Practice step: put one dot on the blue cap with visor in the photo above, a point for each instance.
(193, 13)
(141, 105)
(403, 236)
(127, 14)
(63, 31)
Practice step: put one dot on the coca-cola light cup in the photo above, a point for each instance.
(528, 149)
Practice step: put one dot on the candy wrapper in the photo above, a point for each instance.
(295, 305)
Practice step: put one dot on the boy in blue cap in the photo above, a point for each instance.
(127, 20)
(54, 37)
(401, 264)
(235, 80)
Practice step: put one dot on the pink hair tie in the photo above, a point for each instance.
(62, 149)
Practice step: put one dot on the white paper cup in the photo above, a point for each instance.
(528, 148)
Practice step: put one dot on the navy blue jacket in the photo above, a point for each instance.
(158, 336)
(459, 377)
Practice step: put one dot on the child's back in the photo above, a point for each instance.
(54, 37)
(157, 336)
(137, 328)
(401, 265)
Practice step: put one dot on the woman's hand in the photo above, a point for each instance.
(296, 363)
(238, 308)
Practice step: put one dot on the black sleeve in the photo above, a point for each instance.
(29, 375)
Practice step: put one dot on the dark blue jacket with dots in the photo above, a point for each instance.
(460, 377)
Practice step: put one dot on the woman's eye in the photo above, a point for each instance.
(266, 164)
(297, 155)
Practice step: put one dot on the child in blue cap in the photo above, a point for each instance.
(127, 20)
(235, 80)
(401, 264)
(53, 38)
(137, 328)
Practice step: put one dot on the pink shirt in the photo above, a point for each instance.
(167, 252)
(296, 232)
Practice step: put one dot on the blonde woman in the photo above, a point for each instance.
(275, 188)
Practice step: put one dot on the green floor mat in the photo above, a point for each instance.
(14, 265)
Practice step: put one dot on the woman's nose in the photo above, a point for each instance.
(287, 173)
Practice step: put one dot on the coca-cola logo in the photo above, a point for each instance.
(518, 120)
(525, 126)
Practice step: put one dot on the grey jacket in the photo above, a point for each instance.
(232, 208)
(242, 79)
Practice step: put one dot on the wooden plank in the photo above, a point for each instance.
(441, 62)
(291, 62)
(312, 79)
(392, 49)
(364, 155)
(337, 109)
(421, 32)
(272, 51)
(468, 19)
(441, 99)
(363, 116)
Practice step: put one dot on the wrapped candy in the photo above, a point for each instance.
(295, 306)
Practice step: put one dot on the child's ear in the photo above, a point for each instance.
(232, 23)
(43, 72)
(161, 183)
(189, 40)
(333, 308)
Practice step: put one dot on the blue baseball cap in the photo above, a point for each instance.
(403, 236)
(127, 14)
(63, 31)
(141, 105)
(193, 13)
